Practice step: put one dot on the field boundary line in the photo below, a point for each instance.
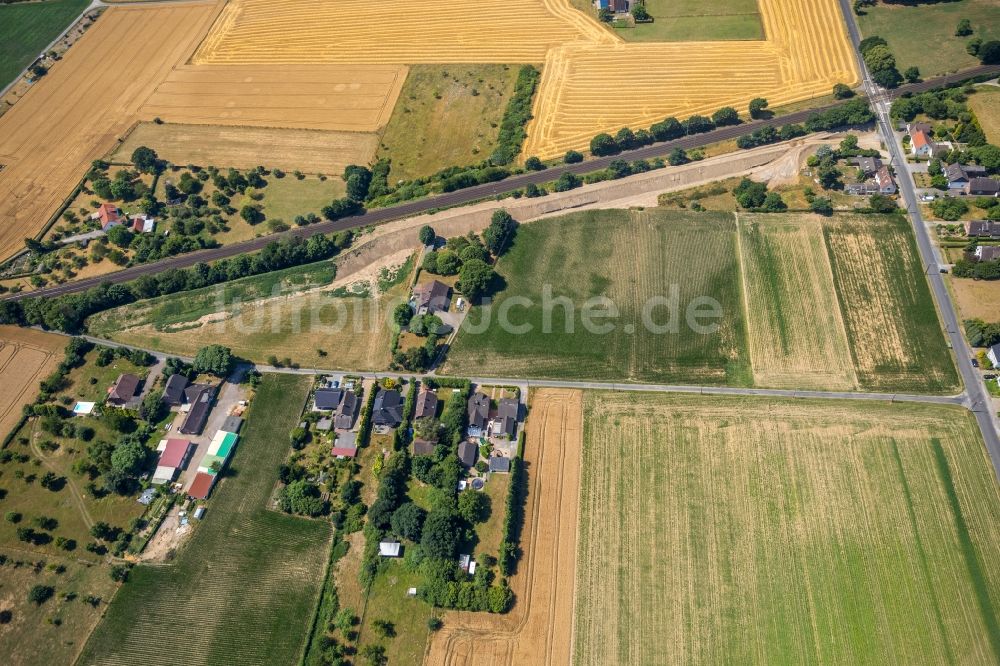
(745, 296)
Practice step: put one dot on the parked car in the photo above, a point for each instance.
(975, 362)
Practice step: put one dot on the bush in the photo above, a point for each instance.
(39, 594)
(516, 117)
(567, 181)
(602, 144)
(572, 157)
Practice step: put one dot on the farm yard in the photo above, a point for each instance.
(759, 552)
(308, 151)
(244, 588)
(26, 357)
(26, 29)
(541, 621)
(806, 302)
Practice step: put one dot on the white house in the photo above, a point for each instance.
(921, 144)
(994, 355)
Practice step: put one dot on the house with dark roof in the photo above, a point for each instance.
(173, 390)
(388, 409)
(919, 127)
(467, 453)
(479, 414)
(232, 424)
(431, 297)
(200, 397)
(868, 166)
(863, 189)
(959, 175)
(994, 355)
(508, 414)
(347, 412)
(982, 229)
(983, 187)
(427, 402)
(423, 447)
(327, 400)
(500, 464)
(124, 390)
(987, 252)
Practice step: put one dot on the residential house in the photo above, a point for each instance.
(347, 412)
(173, 455)
(388, 409)
(500, 464)
(108, 215)
(431, 297)
(886, 185)
(427, 402)
(861, 189)
(173, 390)
(616, 6)
(423, 447)
(143, 224)
(959, 175)
(919, 127)
(984, 187)
(987, 252)
(200, 397)
(479, 414)
(505, 423)
(982, 229)
(124, 390)
(868, 166)
(994, 355)
(344, 451)
(921, 144)
(327, 400)
(467, 453)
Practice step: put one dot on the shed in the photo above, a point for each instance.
(500, 464)
(324, 425)
(201, 487)
(423, 447)
(345, 451)
(389, 548)
(467, 452)
(232, 424)
(199, 512)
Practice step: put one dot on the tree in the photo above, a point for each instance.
(625, 139)
(842, 91)
(666, 129)
(964, 28)
(407, 521)
(384, 628)
(534, 164)
(828, 175)
(447, 262)
(821, 205)
(773, 203)
(39, 594)
(988, 156)
(251, 214)
(120, 235)
(949, 208)
(603, 144)
(475, 277)
(215, 360)
(374, 655)
(677, 157)
(474, 506)
(639, 12)
(303, 498)
(727, 115)
(129, 457)
(572, 157)
(426, 234)
(757, 107)
(567, 181)
(402, 314)
(498, 236)
(440, 537)
(912, 74)
(879, 203)
(750, 194)
(145, 160)
(698, 125)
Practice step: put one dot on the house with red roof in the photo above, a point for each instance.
(174, 454)
(108, 215)
(201, 487)
(921, 144)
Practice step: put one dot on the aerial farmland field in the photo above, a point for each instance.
(244, 588)
(26, 29)
(739, 530)
(26, 358)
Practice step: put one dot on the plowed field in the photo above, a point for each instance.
(539, 628)
(26, 357)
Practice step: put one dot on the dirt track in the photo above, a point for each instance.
(540, 627)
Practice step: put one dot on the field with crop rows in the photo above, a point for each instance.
(986, 105)
(761, 531)
(246, 147)
(244, 588)
(26, 29)
(26, 358)
(796, 334)
(630, 257)
(892, 325)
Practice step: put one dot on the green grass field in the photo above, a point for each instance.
(244, 589)
(447, 115)
(691, 20)
(986, 105)
(631, 257)
(284, 198)
(760, 531)
(27, 28)
(924, 35)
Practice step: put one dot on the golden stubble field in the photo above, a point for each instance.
(26, 358)
(592, 80)
(539, 628)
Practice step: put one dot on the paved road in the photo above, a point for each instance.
(960, 399)
(466, 196)
(979, 400)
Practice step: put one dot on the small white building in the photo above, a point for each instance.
(994, 355)
(389, 548)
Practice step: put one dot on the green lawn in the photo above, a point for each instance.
(632, 257)
(924, 34)
(27, 28)
(387, 600)
(284, 198)
(244, 589)
(447, 115)
(784, 532)
(691, 20)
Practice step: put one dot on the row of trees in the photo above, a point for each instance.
(516, 116)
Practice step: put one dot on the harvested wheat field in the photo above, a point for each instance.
(26, 357)
(358, 98)
(795, 330)
(539, 628)
(760, 531)
(308, 151)
(76, 113)
(592, 82)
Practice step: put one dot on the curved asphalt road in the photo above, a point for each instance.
(471, 194)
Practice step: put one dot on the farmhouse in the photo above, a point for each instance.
(884, 181)
(500, 464)
(347, 411)
(388, 409)
(505, 423)
(984, 187)
(994, 355)
(173, 390)
(467, 453)
(479, 413)
(173, 456)
(108, 215)
(427, 402)
(199, 396)
(987, 252)
(921, 144)
(327, 400)
(431, 297)
(201, 486)
(982, 229)
(123, 392)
